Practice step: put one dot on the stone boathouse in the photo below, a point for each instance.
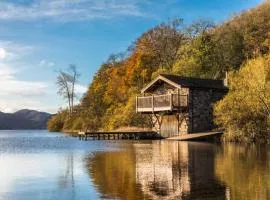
(180, 105)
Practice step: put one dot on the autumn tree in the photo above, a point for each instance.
(245, 111)
(197, 56)
(200, 49)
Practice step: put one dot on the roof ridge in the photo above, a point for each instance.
(183, 81)
(190, 77)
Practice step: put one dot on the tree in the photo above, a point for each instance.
(198, 27)
(57, 122)
(245, 111)
(229, 49)
(163, 42)
(199, 50)
(197, 57)
(66, 81)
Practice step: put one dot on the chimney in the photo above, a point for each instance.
(225, 81)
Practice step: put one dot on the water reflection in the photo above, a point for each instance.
(66, 180)
(114, 174)
(246, 170)
(158, 170)
(40, 165)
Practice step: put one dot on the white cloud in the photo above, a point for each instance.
(10, 67)
(12, 51)
(80, 89)
(3, 53)
(22, 88)
(6, 72)
(17, 92)
(13, 105)
(70, 10)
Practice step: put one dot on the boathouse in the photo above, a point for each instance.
(180, 105)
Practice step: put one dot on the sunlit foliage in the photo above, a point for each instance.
(245, 111)
(56, 122)
(200, 49)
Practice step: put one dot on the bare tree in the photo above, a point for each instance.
(198, 27)
(66, 81)
(164, 41)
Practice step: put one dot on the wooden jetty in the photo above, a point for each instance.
(197, 136)
(138, 135)
(113, 135)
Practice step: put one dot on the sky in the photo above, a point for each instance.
(39, 37)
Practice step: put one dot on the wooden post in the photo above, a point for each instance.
(178, 123)
(153, 103)
(136, 104)
(178, 98)
(171, 101)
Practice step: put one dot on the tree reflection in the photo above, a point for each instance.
(66, 181)
(245, 169)
(158, 170)
(114, 174)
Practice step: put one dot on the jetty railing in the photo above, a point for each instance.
(167, 102)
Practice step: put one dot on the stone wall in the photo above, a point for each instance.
(201, 108)
(198, 118)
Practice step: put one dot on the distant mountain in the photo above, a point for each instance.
(24, 119)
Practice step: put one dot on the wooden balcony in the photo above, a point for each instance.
(157, 103)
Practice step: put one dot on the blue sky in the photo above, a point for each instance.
(38, 37)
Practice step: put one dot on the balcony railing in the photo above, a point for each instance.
(167, 102)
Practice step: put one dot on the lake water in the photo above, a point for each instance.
(40, 165)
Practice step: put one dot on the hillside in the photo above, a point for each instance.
(24, 119)
(201, 49)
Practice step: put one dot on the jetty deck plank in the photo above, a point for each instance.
(196, 136)
(116, 135)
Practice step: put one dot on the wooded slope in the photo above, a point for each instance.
(201, 49)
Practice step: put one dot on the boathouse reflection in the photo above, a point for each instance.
(162, 169)
(178, 170)
(158, 170)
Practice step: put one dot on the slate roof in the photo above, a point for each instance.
(195, 82)
(189, 82)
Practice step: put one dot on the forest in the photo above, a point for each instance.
(202, 49)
